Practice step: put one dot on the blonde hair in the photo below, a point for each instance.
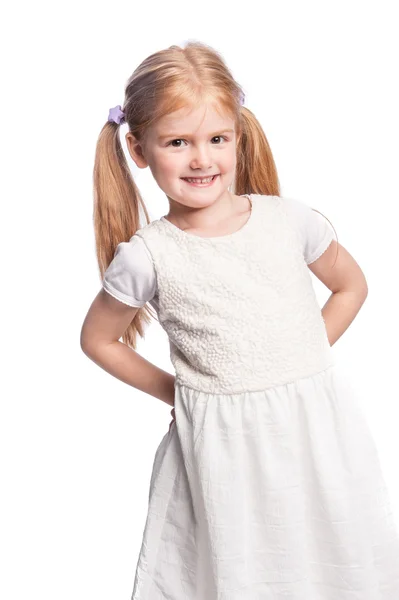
(164, 82)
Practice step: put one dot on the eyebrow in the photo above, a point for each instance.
(185, 135)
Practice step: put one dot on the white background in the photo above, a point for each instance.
(77, 445)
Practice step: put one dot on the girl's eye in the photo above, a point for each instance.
(171, 143)
(217, 137)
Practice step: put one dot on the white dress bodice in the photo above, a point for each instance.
(240, 310)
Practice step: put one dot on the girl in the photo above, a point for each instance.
(268, 484)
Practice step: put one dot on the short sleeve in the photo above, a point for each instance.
(130, 277)
(315, 231)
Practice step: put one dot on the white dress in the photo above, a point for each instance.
(268, 485)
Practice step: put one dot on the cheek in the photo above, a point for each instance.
(230, 161)
(168, 165)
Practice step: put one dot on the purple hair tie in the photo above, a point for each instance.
(116, 114)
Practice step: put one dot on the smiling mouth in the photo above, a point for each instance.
(199, 180)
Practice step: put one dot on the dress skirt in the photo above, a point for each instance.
(268, 495)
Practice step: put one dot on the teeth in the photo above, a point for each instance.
(207, 180)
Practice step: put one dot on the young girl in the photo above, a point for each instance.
(268, 484)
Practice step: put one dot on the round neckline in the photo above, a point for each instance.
(217, 237)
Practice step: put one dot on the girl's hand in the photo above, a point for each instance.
(172, 412)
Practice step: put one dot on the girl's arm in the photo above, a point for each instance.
(349, 286)
(105, 323)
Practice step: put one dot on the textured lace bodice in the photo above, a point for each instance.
(240, 310)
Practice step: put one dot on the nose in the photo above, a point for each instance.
(201, 158)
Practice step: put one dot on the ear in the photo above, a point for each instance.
(136, 150)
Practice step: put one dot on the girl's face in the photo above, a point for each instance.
(195, 143)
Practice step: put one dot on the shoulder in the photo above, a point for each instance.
(150, 231)
(134, 254)
(314, 230)
(131, 277)
(294, 208)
